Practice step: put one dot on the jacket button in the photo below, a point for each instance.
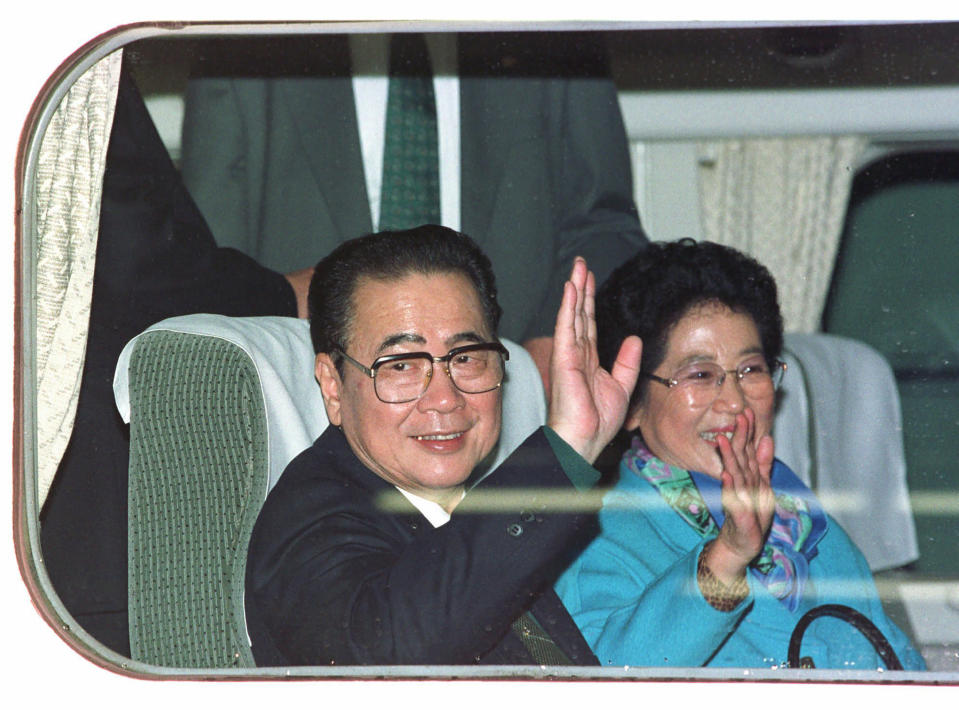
(515, 529)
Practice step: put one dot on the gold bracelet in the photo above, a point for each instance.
(720, 596)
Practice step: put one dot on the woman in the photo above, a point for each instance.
(710, 549)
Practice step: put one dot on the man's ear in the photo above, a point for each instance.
(330, 386)
(634, 417)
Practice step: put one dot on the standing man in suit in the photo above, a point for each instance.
(370, 549)
(283, 149)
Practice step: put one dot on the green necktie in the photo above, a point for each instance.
(538, 642)
(411, 185)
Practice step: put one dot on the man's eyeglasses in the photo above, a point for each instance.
(702, 381)
(404, 377)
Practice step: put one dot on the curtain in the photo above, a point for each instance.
(783, 201)
(69, 182)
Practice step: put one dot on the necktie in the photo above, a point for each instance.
(540, 645)
(410, 191)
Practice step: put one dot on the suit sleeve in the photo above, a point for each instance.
(221, 150)
(593, 193)
(336, 579)
(156, 253)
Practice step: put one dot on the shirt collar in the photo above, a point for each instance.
(433, 512)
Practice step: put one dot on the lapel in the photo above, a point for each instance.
(324, 116)
(386, 503)
(407, 522)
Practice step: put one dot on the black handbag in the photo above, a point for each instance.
(868, 629)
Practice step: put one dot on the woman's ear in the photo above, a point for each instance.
(330, 386)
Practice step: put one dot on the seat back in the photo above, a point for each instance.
(195, 488)
(839, 427)
(895, 288)
(217, 408)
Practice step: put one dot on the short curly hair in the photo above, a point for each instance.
(649, 294)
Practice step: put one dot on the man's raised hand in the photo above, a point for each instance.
(587, 403)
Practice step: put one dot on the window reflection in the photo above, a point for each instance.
(894, 286)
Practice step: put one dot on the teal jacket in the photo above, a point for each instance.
(633, 593)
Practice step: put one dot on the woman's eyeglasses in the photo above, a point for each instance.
(702, 381)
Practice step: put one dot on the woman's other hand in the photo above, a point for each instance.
(748, 500)
(587, 403)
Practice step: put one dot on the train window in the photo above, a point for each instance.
(161, 103)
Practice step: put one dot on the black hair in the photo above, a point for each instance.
(649, 294)
(428, 249)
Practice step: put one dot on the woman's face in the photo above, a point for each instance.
(681, 431)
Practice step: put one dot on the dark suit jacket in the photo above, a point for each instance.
(271, 154)
(344, 570)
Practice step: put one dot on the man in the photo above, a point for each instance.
(370, 550)
(156, 256)
(284, 141)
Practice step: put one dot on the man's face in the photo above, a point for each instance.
(429, 446)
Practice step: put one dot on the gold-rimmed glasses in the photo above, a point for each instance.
(702, 381)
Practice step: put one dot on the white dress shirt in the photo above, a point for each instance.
(433, 512)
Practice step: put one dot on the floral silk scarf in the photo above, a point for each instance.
(798, 524)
